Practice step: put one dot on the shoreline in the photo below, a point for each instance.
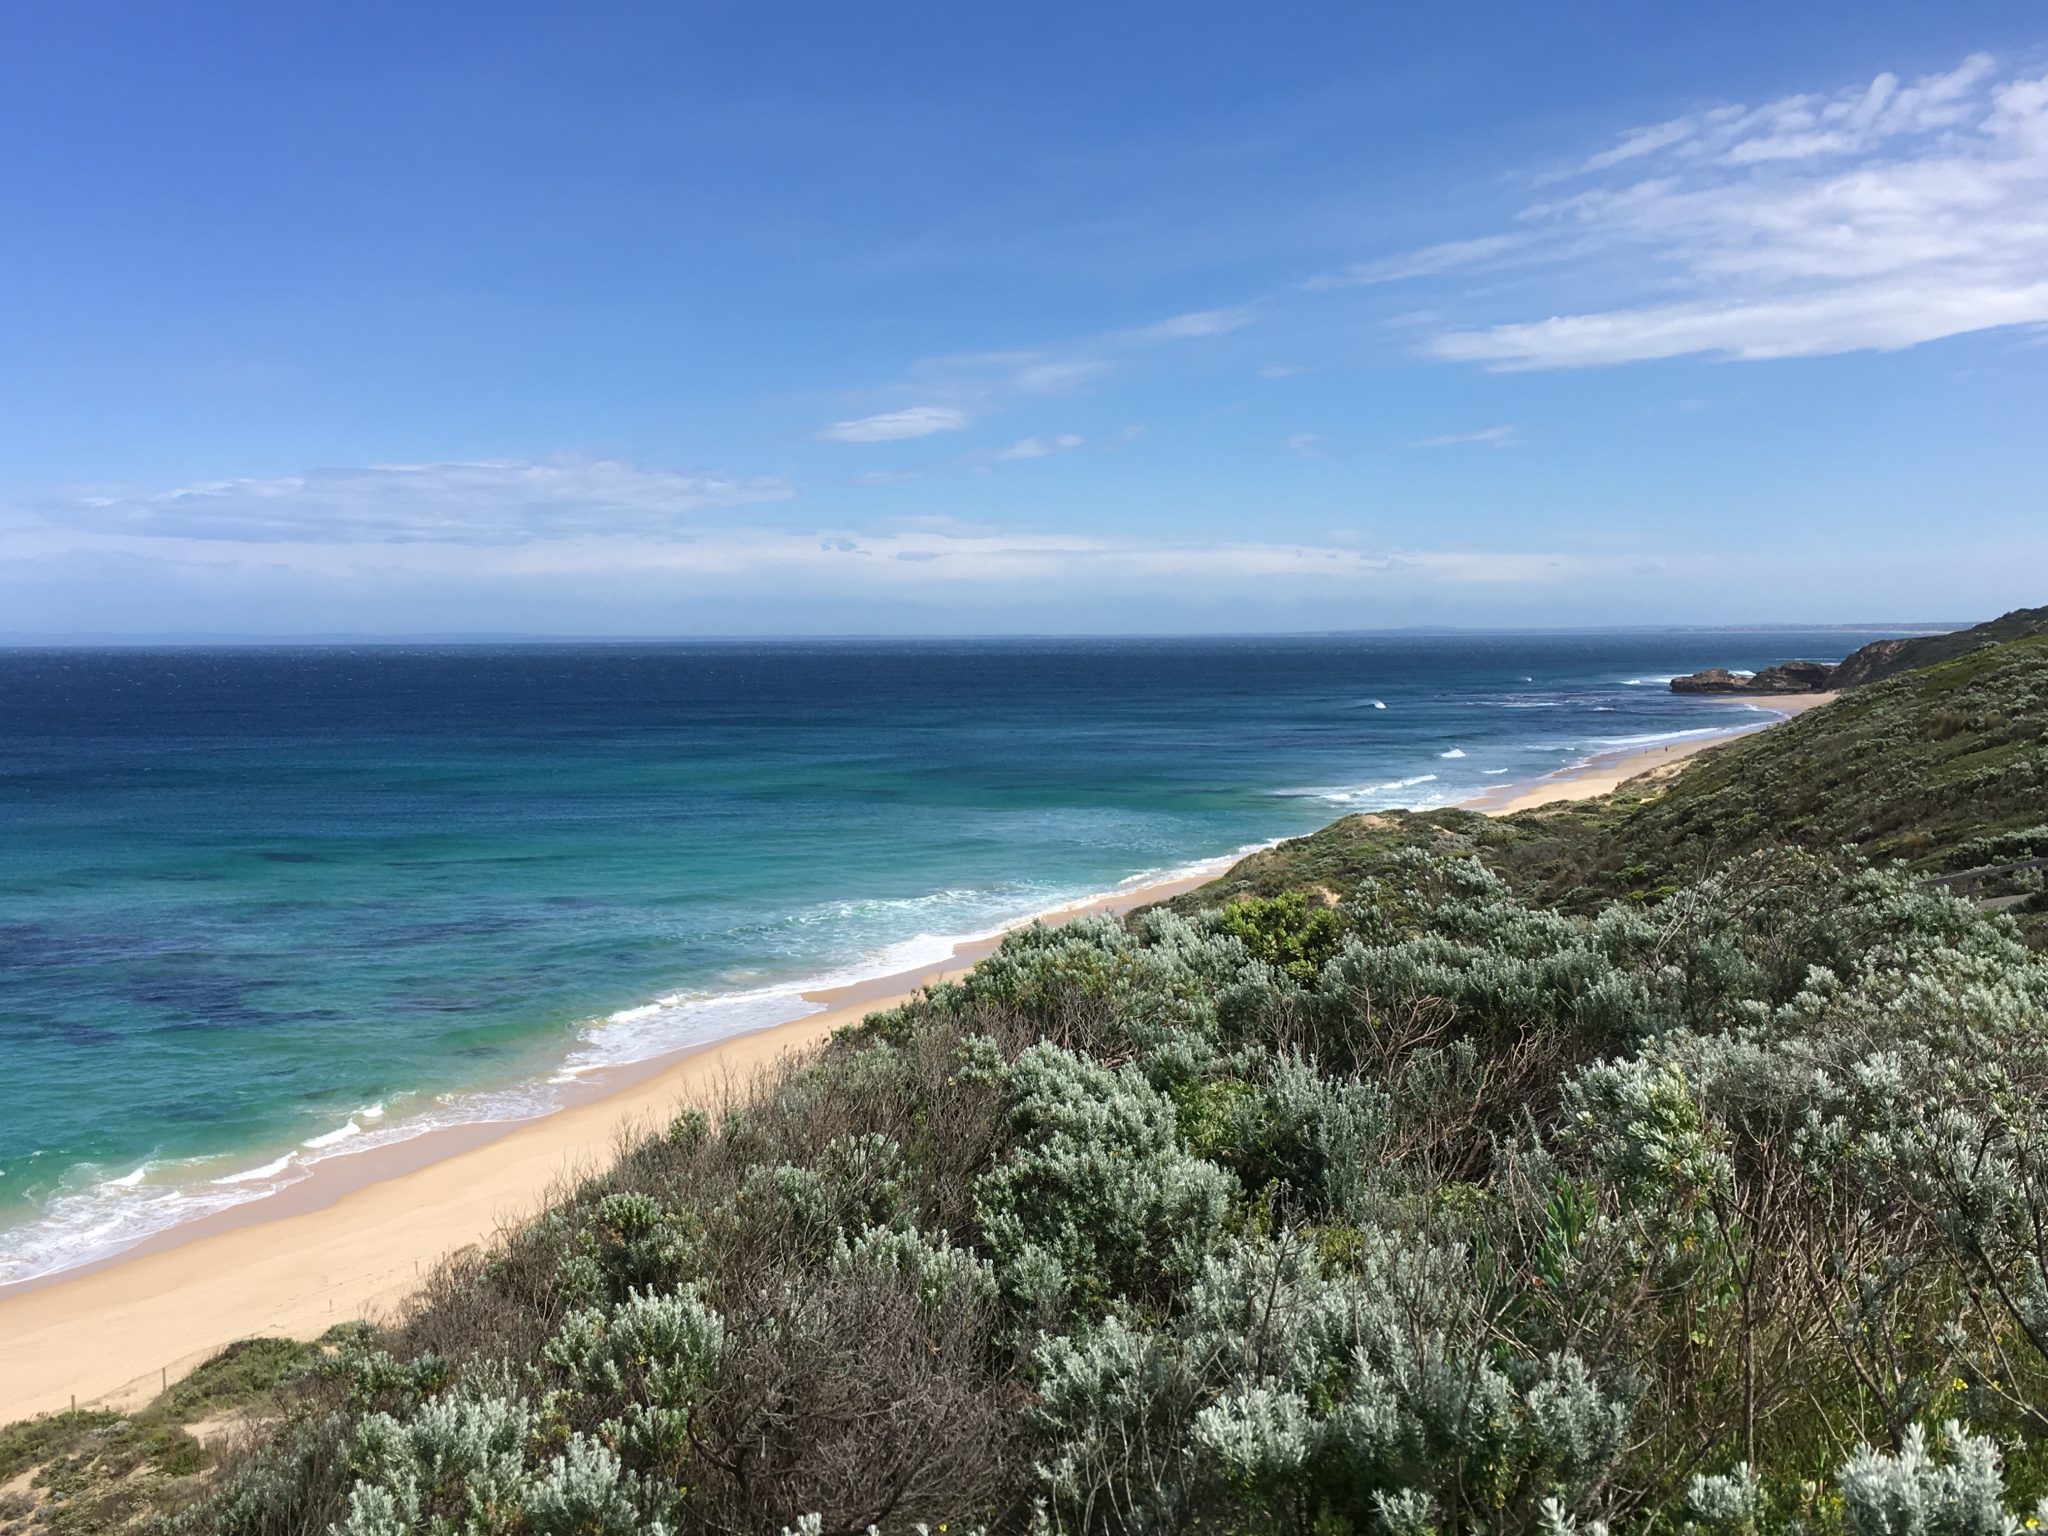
(576, 1084)
(356, 1235)
(1605, 772)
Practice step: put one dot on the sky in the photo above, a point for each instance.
(795, 318)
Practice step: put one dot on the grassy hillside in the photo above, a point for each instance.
(1943, 770)
(1651, 1165)
(94, 1470)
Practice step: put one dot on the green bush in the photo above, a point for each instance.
(1288, 932)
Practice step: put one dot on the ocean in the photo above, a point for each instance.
(263, 906)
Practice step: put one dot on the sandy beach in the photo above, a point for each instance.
(353, 1238)
(1610, 770)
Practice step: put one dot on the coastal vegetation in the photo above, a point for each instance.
(94, 1469)
(1870, 663)
(1674, 1163)
(1940, 771)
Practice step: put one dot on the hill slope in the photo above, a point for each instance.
(1944, 769)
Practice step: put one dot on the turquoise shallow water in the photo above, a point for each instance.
(264, 906)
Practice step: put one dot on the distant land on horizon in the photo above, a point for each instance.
(100, 640)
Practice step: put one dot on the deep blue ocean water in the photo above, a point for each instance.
(260, 906)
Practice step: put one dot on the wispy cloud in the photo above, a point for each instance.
(896, 426)
(842, 560)
(490, 501)
(479, 526)
(1485, 437)
(1427, 262)
(1197, 323)
(1056, 376)
(1639, 142)
(1042, 447)
(1304, 444)
(1877, 217)
(967, 386)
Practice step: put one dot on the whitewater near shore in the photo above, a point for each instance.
(357, 1235)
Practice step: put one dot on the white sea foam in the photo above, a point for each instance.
(1454, 752)
(253, 1175)
(1655, 738)
(1390, 794)
(1379, 703)
(103, 1216)
(1491, 771)
(98, 1218)
(682, 1020)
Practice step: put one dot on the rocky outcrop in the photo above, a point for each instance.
(1879, 659)
(1791, 677)
(1713, 680)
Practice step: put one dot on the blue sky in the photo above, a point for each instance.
(930, 317)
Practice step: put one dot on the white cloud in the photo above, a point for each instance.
(1279, 371)
(298, 545)
(1057, 376)
(1868, 316)
(490, 501)
(1640, 142)
(1197, 323)
(964, 385)
(1877, 217)
(1303, 443)
(1488, 437)
(1427, 262)
(1798, 127)
(895, 426)
(1042, 447)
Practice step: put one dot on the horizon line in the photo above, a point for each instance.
(210, 639)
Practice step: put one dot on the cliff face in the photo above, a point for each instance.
(1883, 658)
(1880, 659)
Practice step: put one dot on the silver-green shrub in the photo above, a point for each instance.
(457, 1464)
(1920, 1491)
(1098, 1198)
